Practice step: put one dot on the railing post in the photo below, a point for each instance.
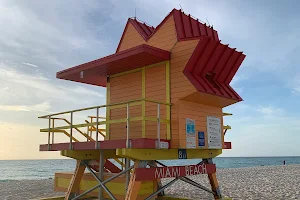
(49, 125)
(52, 131)
(127, 126)
(91, 131)
(71, 132)
(97, 128)
(87, 133)
(158, 126)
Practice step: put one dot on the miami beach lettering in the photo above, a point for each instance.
(167, 172)
(195, 169)
(143, 174)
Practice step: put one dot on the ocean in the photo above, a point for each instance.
(45, 169)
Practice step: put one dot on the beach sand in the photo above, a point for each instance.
(265, 182)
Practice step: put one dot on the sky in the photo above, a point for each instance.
(39, 38)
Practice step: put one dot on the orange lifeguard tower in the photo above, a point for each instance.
(166, 87)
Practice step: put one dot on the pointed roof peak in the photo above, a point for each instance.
(187, 27)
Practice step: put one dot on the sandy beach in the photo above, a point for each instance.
(265, 182)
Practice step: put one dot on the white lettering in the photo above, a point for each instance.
(196, 170)
(159, 173)
(204, 170)
(191, 170)
(175, 172)
(180, 155)
(187, 172)
(167, 173)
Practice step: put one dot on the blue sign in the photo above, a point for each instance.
(190, 126)
(201, 139)
(182, 154)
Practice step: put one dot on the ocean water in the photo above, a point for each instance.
(45, 169)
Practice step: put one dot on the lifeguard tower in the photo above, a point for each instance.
(166, 87)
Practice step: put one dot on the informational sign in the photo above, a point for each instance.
(214, 132)
(190, 133)
(201, 139)
(182, 154)
(143, 174)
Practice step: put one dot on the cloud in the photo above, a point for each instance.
(5, 89)
(83, 91)
(295, 84)
(42, 107)
(29, 64)
(270, 111)
(37, 82)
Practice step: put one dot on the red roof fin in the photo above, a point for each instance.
(212, 66)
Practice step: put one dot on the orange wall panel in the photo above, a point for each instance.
(131, 38)
(180, 85)
(165, 37)
(125, 88)
(155, 81)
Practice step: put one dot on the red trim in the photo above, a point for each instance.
(99, 69)
(139, 143)
(211, 58)
(147, 174)
(227, 145)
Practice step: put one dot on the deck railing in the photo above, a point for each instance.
(91, 125)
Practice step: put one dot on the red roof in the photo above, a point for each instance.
(142, 28)
(187, 27)
(96, 72)
(212, 67)
(190, 28)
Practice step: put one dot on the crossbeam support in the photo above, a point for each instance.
(75, 181)
(213, 181)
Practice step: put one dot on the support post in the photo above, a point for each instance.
(75, 181)
(107, 127)
(97, 129)
(134, 186)
(101, 172)
(49, 125)
(52, 131)
(127, 175)
(91, 131)
(71, 132)
(213, 181)
(88, 133)
(156, 182)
